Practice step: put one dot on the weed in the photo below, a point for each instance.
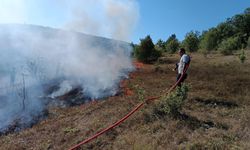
(46, 145)
(140, 92)
(70, 130)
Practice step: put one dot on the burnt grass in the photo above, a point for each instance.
(215, 115)
(216, 102)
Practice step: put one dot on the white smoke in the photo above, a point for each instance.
(108, 18)
(65, 87)
(113, 18)
(34, 57)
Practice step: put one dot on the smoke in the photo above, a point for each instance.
(113, 18)
(34, 59)
(39, 64)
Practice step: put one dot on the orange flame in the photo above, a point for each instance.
(124, 83)
(128, 92)
(138, 65)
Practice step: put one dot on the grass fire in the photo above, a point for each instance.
(76, 75)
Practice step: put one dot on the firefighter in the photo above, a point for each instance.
(182, 66)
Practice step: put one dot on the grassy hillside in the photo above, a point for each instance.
(215, 116)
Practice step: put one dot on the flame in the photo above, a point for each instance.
(132, 75)
(128, 92)
(138, 65)
(124, 83)
(124, 86)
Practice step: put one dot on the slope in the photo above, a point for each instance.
(216, 112)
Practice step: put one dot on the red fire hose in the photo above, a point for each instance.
(128, 115)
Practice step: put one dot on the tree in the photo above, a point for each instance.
(191, 41)
(146, 52)
(172, 44)
(225, 30)
(232, 34)
(133, 46)
(227, 46)
(209, 40)
(242, 24)
(160, 45)
(247, 10)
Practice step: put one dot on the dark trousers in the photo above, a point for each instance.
(182, 80)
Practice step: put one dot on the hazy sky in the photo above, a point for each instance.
(133, 19)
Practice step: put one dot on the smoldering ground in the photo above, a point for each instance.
(34, 58)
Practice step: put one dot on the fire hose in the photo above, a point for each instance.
(129, 114)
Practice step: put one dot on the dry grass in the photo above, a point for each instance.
(215, 116)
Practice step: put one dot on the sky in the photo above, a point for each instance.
(128, 20)
(161, 18)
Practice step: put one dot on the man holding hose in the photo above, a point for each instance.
(182, 66)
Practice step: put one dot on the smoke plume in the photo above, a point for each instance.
(113, 18)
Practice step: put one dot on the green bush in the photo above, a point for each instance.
(145, 52)
(232, 34)
(227, 46)
(172, 44)
(209, 40)
(191, 41)
(140, 92)
(248, 43)
(160, 45)
(242, 56)
(172, 103)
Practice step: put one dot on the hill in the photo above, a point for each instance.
(215, 115)
(41, 67)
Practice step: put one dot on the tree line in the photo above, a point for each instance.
(226, 38)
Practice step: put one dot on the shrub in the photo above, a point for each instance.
(227, 46)
(242, 56)
(248, 43)
(191, 41)
(145, 52)
(172, 103)
(172, 44)
(140, 92)
(160, 45)
(209, 40)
